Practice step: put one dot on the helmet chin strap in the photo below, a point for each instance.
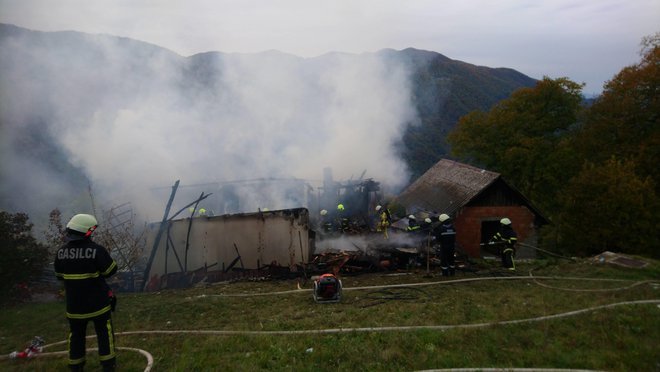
(90, 231)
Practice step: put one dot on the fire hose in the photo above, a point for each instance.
(387, 329)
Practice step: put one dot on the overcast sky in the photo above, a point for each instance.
(586, 40)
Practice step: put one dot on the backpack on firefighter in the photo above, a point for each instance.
(327, 288)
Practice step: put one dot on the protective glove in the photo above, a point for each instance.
(113, 300)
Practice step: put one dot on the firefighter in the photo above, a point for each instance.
(508, 237)
(324, 223)
(385, 219)
(412, 224)
(341, 221)
(445, 233)
(83, 266)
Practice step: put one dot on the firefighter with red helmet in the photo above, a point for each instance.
(83, 266)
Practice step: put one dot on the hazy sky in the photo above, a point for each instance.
(586, 40)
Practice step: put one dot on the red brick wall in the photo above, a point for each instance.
(468, 225)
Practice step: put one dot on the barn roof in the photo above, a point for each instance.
(449, 186)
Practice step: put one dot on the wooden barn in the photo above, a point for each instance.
(476, 199)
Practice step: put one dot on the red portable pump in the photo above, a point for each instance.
(327, 288)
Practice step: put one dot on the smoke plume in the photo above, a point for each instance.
(134, 117)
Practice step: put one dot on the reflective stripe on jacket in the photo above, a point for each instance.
(83, 266)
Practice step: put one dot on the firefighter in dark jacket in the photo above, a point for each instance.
(508, 237)
(412, 224)
(83, 266)
(446, 235)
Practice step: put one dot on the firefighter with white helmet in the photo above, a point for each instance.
(325, 222)
(412, 223)
(445, 233)
(384, 219)
(83, 266)
(508, 237)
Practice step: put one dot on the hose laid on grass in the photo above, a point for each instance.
(420, 284)
(394, 328)
(365, 329)
(383, 329)
(506, 370)
(150, 358)
(547, 252)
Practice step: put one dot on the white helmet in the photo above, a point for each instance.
(323, 212)
(378, 207)
(505, 221)
(411, 217)
(427, 220)
(82, 223)
(443, 217)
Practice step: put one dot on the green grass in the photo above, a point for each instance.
(622, 338)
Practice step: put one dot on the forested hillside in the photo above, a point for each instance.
(593, 169)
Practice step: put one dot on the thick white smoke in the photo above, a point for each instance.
(129, 116)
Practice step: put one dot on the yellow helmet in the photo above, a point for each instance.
(340, 207)
(82, 223)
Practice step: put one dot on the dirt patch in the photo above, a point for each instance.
(620, 259)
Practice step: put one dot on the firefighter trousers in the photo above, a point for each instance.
(507, 259)
(106, 341)
(447, 261)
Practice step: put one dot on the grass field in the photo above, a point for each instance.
(480, 319)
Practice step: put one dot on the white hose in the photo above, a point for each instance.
(370, 329)
(393, 328)
(387, 329)
(506, 370)
(420, 284)
(150, 358)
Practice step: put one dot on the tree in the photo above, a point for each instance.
(524, 138)
(609, 207)
(625, 120)
(23, 257)
(612, 203)
(55, 234)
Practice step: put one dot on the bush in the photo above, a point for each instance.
(23, 257)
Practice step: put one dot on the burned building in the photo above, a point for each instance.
(476, 199)
(248, 228)
(193, 249)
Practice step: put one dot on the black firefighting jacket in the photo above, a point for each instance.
(506, 235)
(83, 266)
(446, 234)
